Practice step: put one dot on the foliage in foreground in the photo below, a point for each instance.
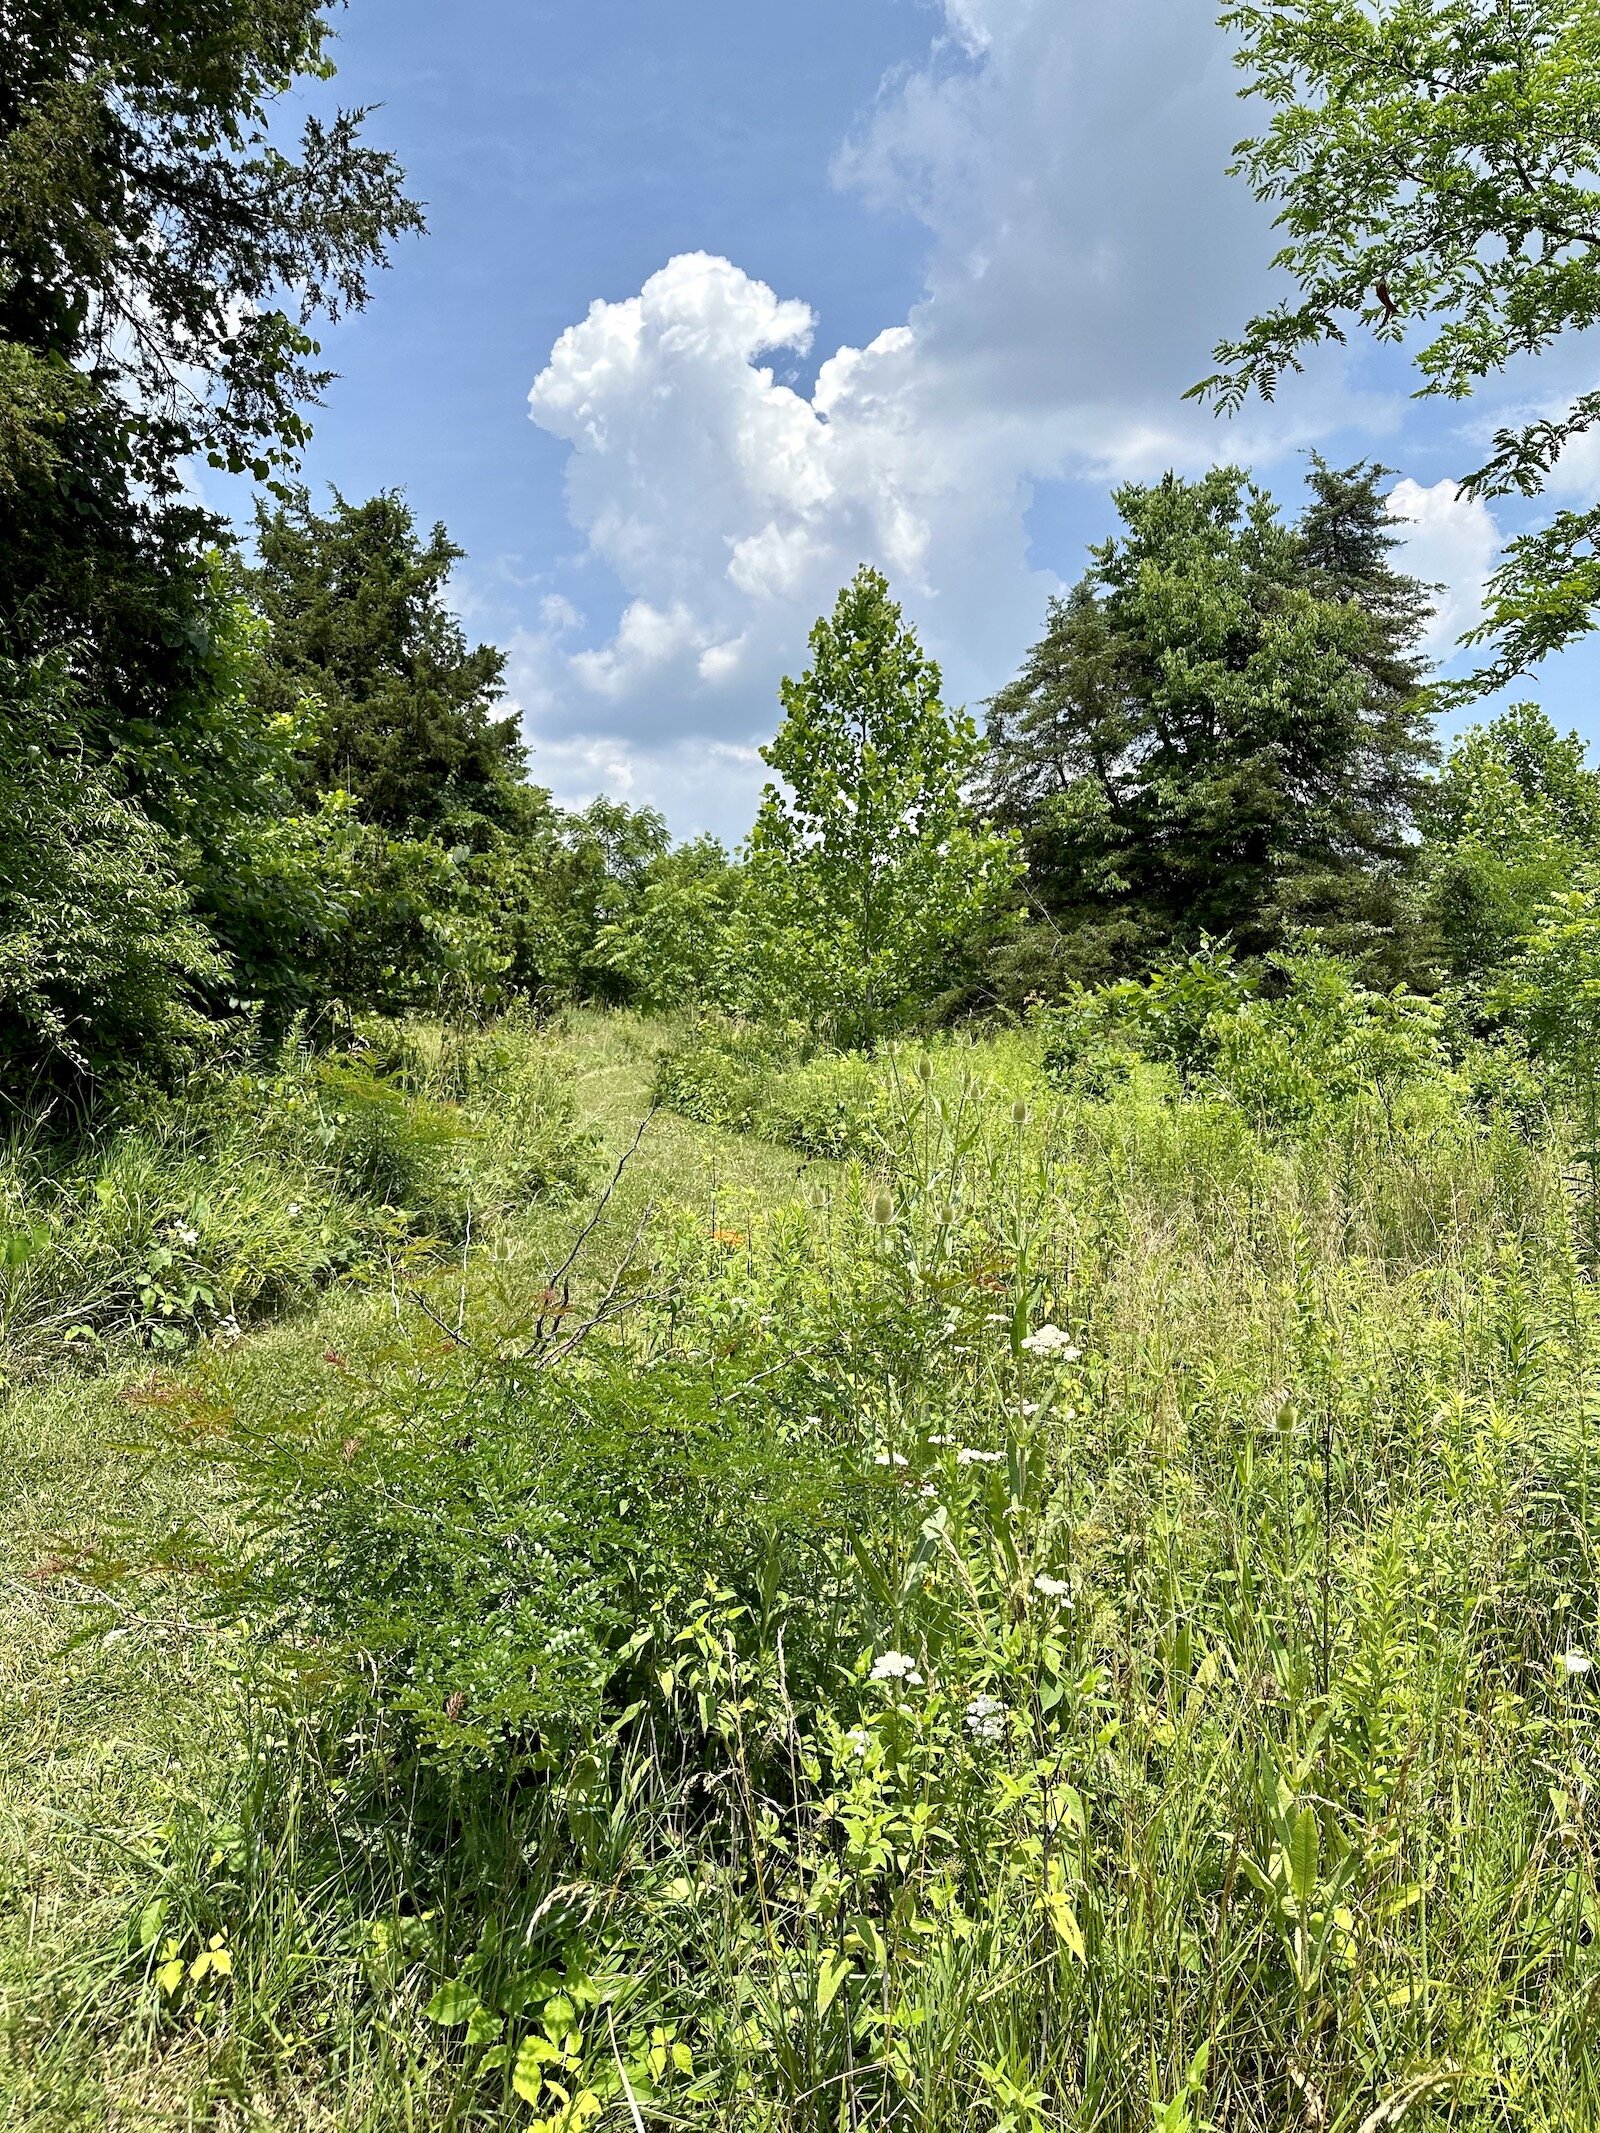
(1084, 1624)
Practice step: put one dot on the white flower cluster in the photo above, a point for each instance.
(1051, 1341)
(1053, 1588)
(986, 1718)
(968, 1457)
(1574, 1663)
(896, 1666)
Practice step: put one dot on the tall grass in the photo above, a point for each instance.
(1080, 1619)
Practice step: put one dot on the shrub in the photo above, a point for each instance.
(171, 1222)
(101, 959)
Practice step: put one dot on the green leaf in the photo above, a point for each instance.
(527, 2072)
(454, 2002)
(1304, 1853)
(830, 1977)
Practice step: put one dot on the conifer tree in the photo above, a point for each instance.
(1221, 731)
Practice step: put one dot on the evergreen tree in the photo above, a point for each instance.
(161, 266)
(405, 720)
(1220, 731)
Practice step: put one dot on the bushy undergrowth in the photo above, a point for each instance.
(172, 1222)
(1087, 1623)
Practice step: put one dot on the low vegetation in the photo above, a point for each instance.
(1077, 1612)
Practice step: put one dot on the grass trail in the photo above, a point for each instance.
(111, 1731)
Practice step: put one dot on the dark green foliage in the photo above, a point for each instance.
(160, 265)
(404, 706)
(101, 959)
(149, 233)
(1220, 731)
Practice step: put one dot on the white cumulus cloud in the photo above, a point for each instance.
(1450, 541)
(1085, 247)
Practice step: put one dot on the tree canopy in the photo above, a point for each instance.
(404, 717)
(1434, 163)
(868, 874)
(1220, 732)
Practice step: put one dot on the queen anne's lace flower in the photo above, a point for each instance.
(889, 1459)
(896, 1666)
(1574, 1662)
(986, 1718)
(968, 1457)
(1052, 1588)
(1050, 1340)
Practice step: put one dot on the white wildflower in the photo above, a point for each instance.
(967, 1456)
(227, 1331)
(1052, 1588)
(1573, 1663)
(1050, 1340)
(294, 1209)
(942, 1439)
(896, 1666)
(856, 1741)
(986, 1718)
(185, 1235)
(890, 1459)
(927, 1489)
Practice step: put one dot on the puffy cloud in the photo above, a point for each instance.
(1450, 541)
(1085, 249)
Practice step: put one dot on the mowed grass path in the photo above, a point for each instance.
(112, 1728)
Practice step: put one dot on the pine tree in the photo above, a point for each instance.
(1221, 730)
(406, 721)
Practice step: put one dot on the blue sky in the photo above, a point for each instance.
(908, 281)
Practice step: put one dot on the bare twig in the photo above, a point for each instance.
(557, 1284)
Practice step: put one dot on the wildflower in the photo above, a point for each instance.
(890, 1459)
(227, 1331)
(185, 1235)
(1052, 1588)
(942, 1439)
(881, 1210)
(1029, 1409)
(924, 1067)
(1574, 1663)
(896, 1666)
(1020, 1113)
(857, 1740)
(986, 1718)
(1050, 1340)
(294, 1209)
(968, 1457)
(927, 1489)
